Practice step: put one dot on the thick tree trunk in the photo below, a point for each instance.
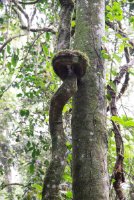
(90, 177)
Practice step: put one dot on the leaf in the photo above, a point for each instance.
(67, 178)
(117, 58)
(114, 72)
(114, 12)
(118, 35)
(37, 187)
(128, 123)
(1, 20)
(69, 145)
(1, 38)
(117, 119)
(108, 96)
(104, 39)
(69, 194)
(113, 86)
(31, 168)
(108, 7)
(24, 113)
(69, 157)
(47, 36)
(19, 95)
(8, 48)
(34, 153)
(45, 50)
(121, 48)
(65, 109)
(131, 19)
(131, 71)
(73, 24)
(105, 55)
(14, 60)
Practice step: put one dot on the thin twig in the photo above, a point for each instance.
(118, 172)
(11, 184)
(21, 10)
(34, 12)
(19, 16)
(118, 30)
(120, 75)
(9, 40)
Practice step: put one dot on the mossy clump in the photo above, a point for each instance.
(70, 60)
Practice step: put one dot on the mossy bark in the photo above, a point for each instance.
(90, 177)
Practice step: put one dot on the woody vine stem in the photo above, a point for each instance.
(69, 66)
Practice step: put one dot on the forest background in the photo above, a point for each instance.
(28, 34)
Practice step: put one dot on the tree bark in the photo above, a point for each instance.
(57, 164)
(64, 93)
(90, 177)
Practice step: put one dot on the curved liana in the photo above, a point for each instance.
(64, 32)
(70, 66)
(118, 172)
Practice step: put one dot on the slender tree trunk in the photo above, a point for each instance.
(90, 177)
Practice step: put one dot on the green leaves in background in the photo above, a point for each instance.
(124, 121)
(14, 59)
(114, 12)
(24, 113)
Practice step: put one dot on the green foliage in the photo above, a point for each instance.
(24, 113)
(26, 76)
(73, 24)
(27, 83)
(69, 195)
(105, 55)
(124, 121)
(114, 12)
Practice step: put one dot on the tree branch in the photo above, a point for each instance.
(45, 29)
(118, 30)
(19, 16)
(118, 78)
(118, 173)
(29, 2)
(32, 17)
(122, 71)
(126, 81)
(9, 40)
(22, 11)
(11, 184)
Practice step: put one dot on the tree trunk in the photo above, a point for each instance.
(90, 177)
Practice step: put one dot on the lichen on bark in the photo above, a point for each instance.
(90, 177)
